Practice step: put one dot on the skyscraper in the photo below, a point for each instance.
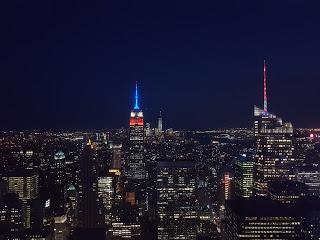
(115, 166)
(88, 189)
(160, 123)
(256, 218)
(25, 185)
(11, 217)
(58, 168)
(61, 227)
(176, 203)
(227, 179)
(244, 176)
(135, 164)
(106, 194)
(274, 147)
(310, 175)
(72, 205)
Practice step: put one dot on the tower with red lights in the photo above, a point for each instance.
(135, 164)
(273, 146)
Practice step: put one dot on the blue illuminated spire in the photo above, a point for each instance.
(136, 98)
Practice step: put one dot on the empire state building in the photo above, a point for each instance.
(135, 164)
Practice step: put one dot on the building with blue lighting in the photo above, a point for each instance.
(135, 162)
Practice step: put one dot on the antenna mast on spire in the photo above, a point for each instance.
(136, 105)
(265, 100)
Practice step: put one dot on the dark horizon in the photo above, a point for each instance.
(73, 65)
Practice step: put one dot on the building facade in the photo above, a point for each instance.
(88, 214)
(26, 185)
(177, 215)
(274, 147)
(11, 217)
(135, 162)
(262, 219)
(244, 176)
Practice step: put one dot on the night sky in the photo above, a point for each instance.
(73, 64)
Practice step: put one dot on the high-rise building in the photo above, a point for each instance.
(41, 217)
(148, 130)
(124, 222)
(135, 163)
(25, 185)
(3, 188)
(160, 123)
(89, 216)
(61, 227)
(274, 147)
(120, 230)
(287, 191)
(177, 215)
(106, 195)
(244, 176)
(72, 206)
(115, 166)
(310, 175)
(58, 167)
(312, 217)
(262, 219)
(11, 217)
(227, 185)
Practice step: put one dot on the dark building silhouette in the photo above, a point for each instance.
(258, 218)
(58, 169)
(86, 234)
(3, 188)
(89, 216)
(11, 217)
(287, 191)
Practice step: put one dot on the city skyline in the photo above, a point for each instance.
(156, 120)
(70, 73)
(136, 103)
